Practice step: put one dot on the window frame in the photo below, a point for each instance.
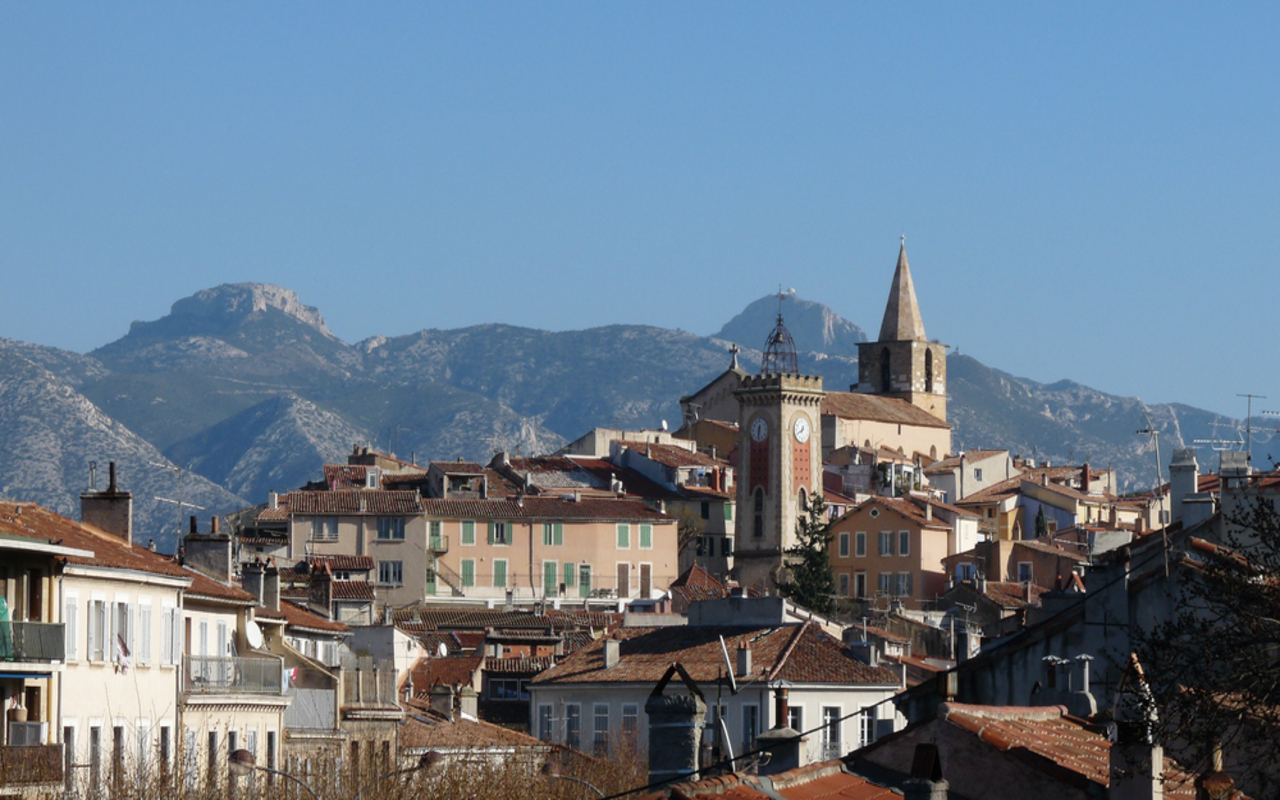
(503, 562)
(860, 544)
(842, 546)
(886, 544)
(388, 569)
(904, 543)
(467, 532)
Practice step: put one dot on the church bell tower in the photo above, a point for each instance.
(780, 459)
(903, 363)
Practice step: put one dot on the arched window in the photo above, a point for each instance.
(757, 524)
(928, 370)
(804, 499)
(884, 370)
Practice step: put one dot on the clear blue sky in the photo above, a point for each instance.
(1088, 190)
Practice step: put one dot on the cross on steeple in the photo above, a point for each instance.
(733, 351)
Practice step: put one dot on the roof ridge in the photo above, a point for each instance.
(791, 646)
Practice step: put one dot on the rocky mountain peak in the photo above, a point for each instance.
(814, 326)
(240, 300)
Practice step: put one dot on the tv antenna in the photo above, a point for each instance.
(179, 502)
(1248, 424)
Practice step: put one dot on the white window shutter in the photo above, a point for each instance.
(69, 620)
(92, 625)
(144, 635)
(166, 636)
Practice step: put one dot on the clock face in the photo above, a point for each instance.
(759, 429)
(802, 430)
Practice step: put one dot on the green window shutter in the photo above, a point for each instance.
(624, 537)
(570, 575)
(728, 512)
(468, 532)
(546, 534)
(468, 572)
(490, 531)
(549, 576)
(559, 534)
(500, 573)
(646, 536)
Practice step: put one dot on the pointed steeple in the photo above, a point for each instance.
(902, 321)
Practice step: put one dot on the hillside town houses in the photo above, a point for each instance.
(593, 600)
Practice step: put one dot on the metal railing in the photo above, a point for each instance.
(438, 544)
(32, 641)
(30, 765)
(228, 675)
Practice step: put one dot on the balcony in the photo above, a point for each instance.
(438, 544)
(228, 675)
(32, 642)
(30, 766)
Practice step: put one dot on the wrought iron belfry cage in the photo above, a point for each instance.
(779, 351)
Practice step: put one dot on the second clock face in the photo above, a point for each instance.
(802, 430)
(759, 429)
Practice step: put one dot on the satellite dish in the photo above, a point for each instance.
(442, 649)
(254, 634)
(664, 424)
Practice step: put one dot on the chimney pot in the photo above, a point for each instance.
(194, 527)
(744, 660)
(213, 524)
(612, 653)
(111, 472)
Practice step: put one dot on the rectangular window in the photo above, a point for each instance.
(144, 638)
(435, 534)
(504, 689)
(600, 730)
(584, 580)
(570, 576)
(550, 578)
(964, 572)
(98, 630)
(500, 573)
(144, 748)
(68, 757)
(573, 726)
(646, 537)
(499, 533)
(166, 636)
(795, 718)
(95, 755)
(630, 723)
(546, 729)
(624, 537)
(189, 761)
(69, 625)
(212, 755)
(860, 544)
(886, 543)
(204, 637)
(468, 532)
(860, 584)
(222, 645)
(324, 528)
(844, 584)
(726, 547)
(468, 572)
(885, 582)
(391, 573)
(904, 543)
(123, 629)
(844, 544)
(831, 732)
(904, 584)
(866, 728)
(750, 727)
(548, 534)
(977, 473)
(391, 529)
(558, 538)
(728, 512)
(1024, 572)
(706, 509)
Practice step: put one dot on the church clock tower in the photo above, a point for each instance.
(903, 363)
(780, 452)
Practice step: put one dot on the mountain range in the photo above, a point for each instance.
(246, 389)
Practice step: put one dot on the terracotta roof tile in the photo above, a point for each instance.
(448, 671)
(523, 665)
(351, 590)
(345, 476)
(427, 729)
(458, 467)
(206, 588)
(854, 405)
(351, 502)
(31, 521)
(672, 455)
(297, 617)
(800, 653)
(343, 562)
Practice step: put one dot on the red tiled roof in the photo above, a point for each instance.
(343, 562)
(854, 405)
(951, 462)
(30, 521)
(448, 671)
(822, 781)
(427, 729)
(798, 653)
(458, 467)
(522, 665)
(297, 617)
(206, 588)
(671, 455)
(471, 509)
(350, 502)
(345, 476)
(351, 590)
(905, 508)
(592, 508)
(1013, 595)
(698, 577)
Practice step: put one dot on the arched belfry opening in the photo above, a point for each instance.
(885, 372)
(928, 370)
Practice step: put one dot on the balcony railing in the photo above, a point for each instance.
(439, 544)
(228, 675)
(25, 766)
(32, 641)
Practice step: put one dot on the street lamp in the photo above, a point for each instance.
(551, 770)
(426, 762)
(242, 763)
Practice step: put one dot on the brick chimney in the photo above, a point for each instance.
(321, 590)
(210, 553)
(251, 579)
(112, 510)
